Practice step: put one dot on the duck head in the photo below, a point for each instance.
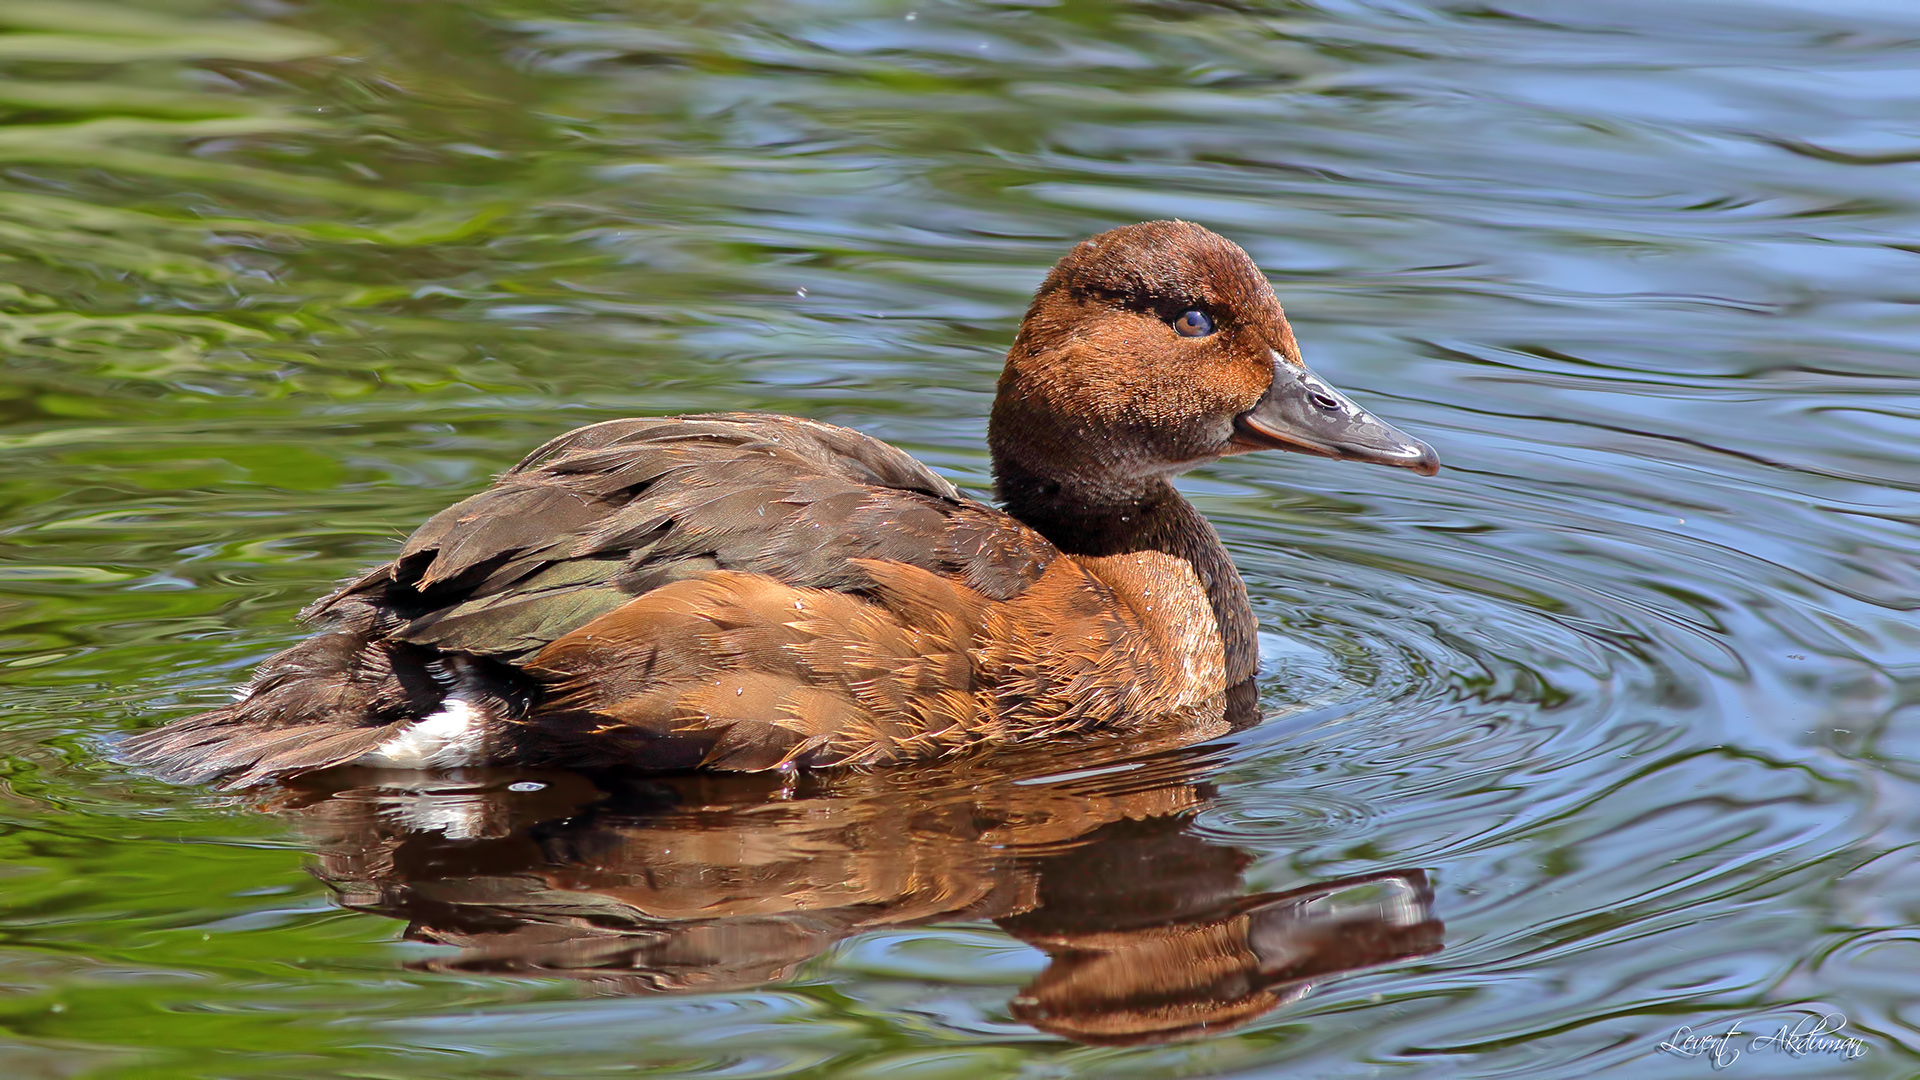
(1154, 348)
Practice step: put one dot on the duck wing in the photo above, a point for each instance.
(611, 512)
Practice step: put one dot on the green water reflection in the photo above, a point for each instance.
(1631, 686)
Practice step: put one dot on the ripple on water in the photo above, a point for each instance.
(1278, 814)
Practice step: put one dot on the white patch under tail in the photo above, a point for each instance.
(454, 736)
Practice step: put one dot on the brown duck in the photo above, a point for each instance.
(749, 591)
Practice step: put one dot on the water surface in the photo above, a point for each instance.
(1612, 727)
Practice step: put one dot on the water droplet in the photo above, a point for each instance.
(526, 785)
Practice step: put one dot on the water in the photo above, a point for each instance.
(1611, 728)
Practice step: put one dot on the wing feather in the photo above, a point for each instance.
(606, 513)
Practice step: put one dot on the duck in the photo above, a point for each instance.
(751, 591)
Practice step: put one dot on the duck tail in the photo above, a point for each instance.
(324, 702)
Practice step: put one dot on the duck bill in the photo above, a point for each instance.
(1302, 413)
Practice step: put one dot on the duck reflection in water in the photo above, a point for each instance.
(719, 882)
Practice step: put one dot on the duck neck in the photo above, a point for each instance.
(1098, 519)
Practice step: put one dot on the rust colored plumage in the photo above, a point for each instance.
(747, 591)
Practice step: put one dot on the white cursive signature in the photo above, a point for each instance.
(1810, 1035)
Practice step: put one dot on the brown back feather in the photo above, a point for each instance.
(610, 512)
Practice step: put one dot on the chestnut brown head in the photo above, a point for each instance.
(1155, 347)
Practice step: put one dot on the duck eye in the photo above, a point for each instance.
(1193, 323)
